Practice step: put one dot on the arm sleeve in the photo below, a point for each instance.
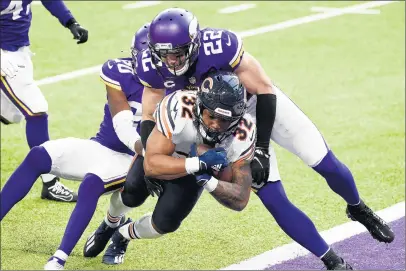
(58, 9)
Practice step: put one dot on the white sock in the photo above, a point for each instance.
(46, 178)
(141, 229)
(116, 211)
(61, 255)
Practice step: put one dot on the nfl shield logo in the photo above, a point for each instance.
(192, 80)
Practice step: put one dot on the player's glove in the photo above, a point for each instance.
(78, 32)
(9, 66)
(260, 166)
(154, 186)
(202, 179)
(213, 159)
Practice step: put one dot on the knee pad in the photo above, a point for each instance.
(165, 226)
(132, 197)
(135, 191)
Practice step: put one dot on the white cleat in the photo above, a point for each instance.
(54, 264)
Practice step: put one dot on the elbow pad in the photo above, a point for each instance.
(124, 128)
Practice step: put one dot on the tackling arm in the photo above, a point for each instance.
(255, 80)
(122, 117)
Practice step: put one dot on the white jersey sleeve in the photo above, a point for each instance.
(174, 116)
(241, 146)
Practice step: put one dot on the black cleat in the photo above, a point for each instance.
(334, 262)
(339, 266)
(55, 190)
(98, 240)
(374, 224)
(116, 250)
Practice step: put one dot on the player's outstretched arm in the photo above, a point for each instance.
(235, 195)
(255, 80)
(122, 117)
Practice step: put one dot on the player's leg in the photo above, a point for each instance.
(37, 162)
(105, 173)
(28, 98)
(10, 114)
(173, 206)
(133, 194)
(294, 131)
(295, 223)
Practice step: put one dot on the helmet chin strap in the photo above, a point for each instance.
(205, 135)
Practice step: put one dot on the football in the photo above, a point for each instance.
(226, 174)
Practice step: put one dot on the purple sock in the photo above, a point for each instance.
(89, 193)
(339, 178)
(292, 221)
(36, 130)
(37, 162)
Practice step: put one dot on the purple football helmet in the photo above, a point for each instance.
(174, 39)
(139, 41)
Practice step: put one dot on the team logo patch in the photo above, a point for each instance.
(192, 80)
(207, 84)
(169, 84)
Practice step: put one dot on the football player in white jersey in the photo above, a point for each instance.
(20, 95)
(215, 116)
(179, 54)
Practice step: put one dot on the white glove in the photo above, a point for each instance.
(9, 67)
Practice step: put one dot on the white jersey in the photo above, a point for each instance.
(174, 119)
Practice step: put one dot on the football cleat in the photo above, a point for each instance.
(54, 263)
(116, 250)
(338, 266)
(374, 224)
(98, 240)
(56, 191)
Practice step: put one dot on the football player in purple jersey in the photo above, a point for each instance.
(101, 163)
(20, 96)
(179, 56)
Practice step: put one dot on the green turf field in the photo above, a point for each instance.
(346, 73)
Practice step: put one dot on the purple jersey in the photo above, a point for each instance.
(15, 21)
(118, 74)
(220, 49)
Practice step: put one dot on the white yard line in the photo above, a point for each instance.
(314, 18)
(244, 34)
(234, 9)
(141, 4)
(333, 235)
(361, 11)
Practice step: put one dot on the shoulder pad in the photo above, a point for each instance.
(174, 112)
(227, 45)
(244, 139)
(115, 71)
